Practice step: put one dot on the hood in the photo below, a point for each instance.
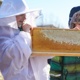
(13, 8)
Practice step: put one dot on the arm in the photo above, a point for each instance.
(16, 51)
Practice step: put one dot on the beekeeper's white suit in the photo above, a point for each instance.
(16, 62)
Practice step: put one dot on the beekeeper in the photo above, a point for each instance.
(16, 62)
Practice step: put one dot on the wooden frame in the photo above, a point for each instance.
(49, 41)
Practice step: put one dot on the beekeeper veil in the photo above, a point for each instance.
(8, 12)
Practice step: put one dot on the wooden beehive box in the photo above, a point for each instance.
(49, 41)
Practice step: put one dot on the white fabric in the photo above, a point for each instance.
(31, 17)
(16, 62)
(40, 67)
(13, 7)
(15, 52)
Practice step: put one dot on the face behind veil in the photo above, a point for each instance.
(8, 12)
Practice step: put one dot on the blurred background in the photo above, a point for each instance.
(54, 12)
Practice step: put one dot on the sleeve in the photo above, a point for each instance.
(56, 68)
(16, 51)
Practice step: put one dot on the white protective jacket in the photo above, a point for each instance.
(16, 62)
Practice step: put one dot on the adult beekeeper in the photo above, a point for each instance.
(16, 62)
